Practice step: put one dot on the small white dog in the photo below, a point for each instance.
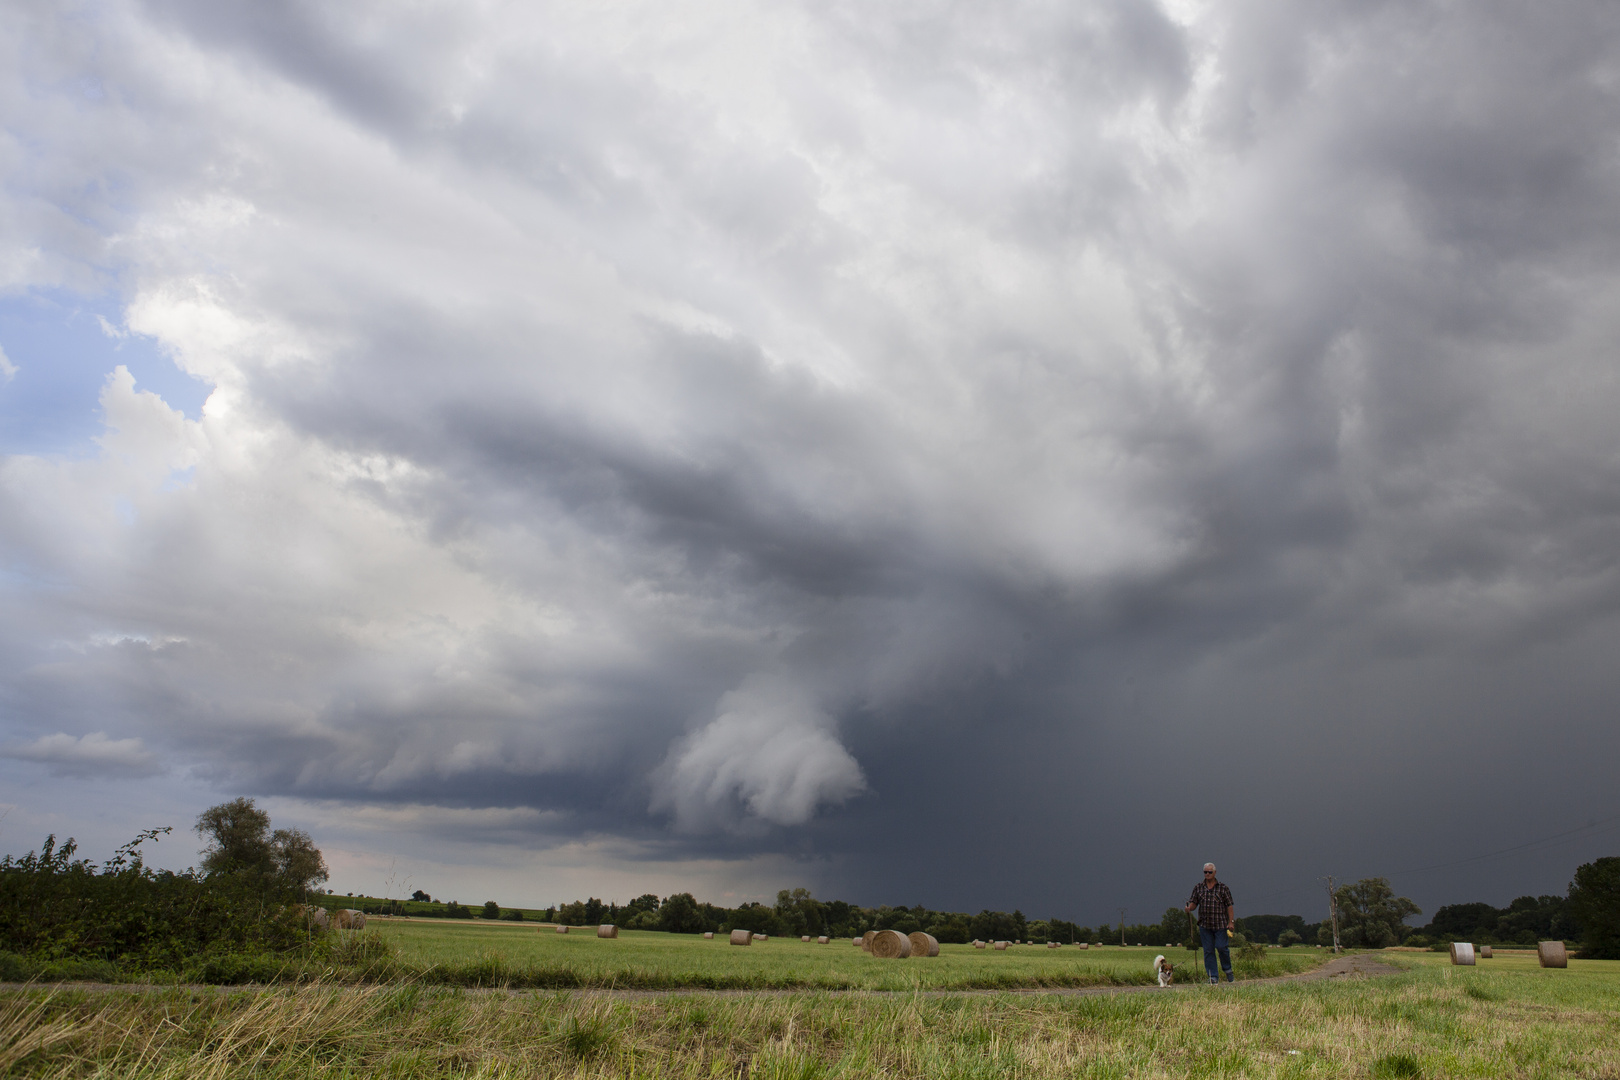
(1162, 968)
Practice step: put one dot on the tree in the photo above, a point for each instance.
(679, 914)
(238, 838)
(1594, 901)
(644, 902)
(297, 861)
(421, 897)
(1371, 915)
(240, 843)
(797, 912)
(492, 910)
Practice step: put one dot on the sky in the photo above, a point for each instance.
(979, 456)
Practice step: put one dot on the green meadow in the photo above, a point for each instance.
(1504, 1018)
(518, 954)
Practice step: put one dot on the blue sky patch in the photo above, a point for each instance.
(62, 356)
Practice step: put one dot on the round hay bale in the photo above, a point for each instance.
(1484, 952)
(890, 945)
(859, 943)
(1552, 954)
(823, 940)
(1051, 944)
(1462, 953)
(708, 935)
(978, 944)
(866, 940)
(358, 920)
(762, 937)
(741, 937)
(1001, 946)
(607, 930)
(924, 944)
(804, 938)
(1085, 945)
(562, 929)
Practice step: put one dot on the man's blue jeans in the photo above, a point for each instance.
(1215, 941)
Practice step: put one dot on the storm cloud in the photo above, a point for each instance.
(1081, 439)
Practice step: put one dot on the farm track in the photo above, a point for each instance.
(1352, 966)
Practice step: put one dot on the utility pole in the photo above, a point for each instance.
(1122, 926)
(1333, 912)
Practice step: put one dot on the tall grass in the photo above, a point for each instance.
(1421, 1023)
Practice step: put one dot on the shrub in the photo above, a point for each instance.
(55, 907)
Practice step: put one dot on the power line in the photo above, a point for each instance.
(1566, 834)
(1589, 826)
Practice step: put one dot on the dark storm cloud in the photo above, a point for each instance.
(1095, 439)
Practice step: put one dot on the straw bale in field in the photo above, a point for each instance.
(822, 940)
(350, 919)
(1053, 945)
(1085, 945)
(890, 945)
(804, 938)
(1552, 954)
(1462, 953)
(859, 943)
(1001, 946)
(314, 916)
(562, 929)
(708, 935)
(607, 930)
(978, 944)
(866, 940)
(924, 944)
(762, 937)
(741, 937)
(1484, 952)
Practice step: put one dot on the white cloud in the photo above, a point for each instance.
(770, 757)
(88, 755)
(8, 370)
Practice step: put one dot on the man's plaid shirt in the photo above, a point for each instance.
(1212, 904)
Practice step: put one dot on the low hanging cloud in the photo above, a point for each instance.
(769, 758)
(92, 755)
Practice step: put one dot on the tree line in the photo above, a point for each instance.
(1370, 915)
(244, 899)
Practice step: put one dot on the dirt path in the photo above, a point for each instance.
(1353, 966)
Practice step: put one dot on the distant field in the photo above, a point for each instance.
(1502, 1019)
(526, 953)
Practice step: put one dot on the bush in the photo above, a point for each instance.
(54, 907)
(492, 910)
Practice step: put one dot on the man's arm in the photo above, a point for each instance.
(1231, 917)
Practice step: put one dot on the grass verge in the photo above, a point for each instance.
(1429, 1021)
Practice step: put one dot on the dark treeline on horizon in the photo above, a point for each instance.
(1370, 916)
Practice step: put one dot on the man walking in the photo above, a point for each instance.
(1216, 919)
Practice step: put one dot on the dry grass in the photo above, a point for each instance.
(1432, 1021)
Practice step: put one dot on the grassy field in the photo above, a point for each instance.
(1505, 1018)
(515, 954)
